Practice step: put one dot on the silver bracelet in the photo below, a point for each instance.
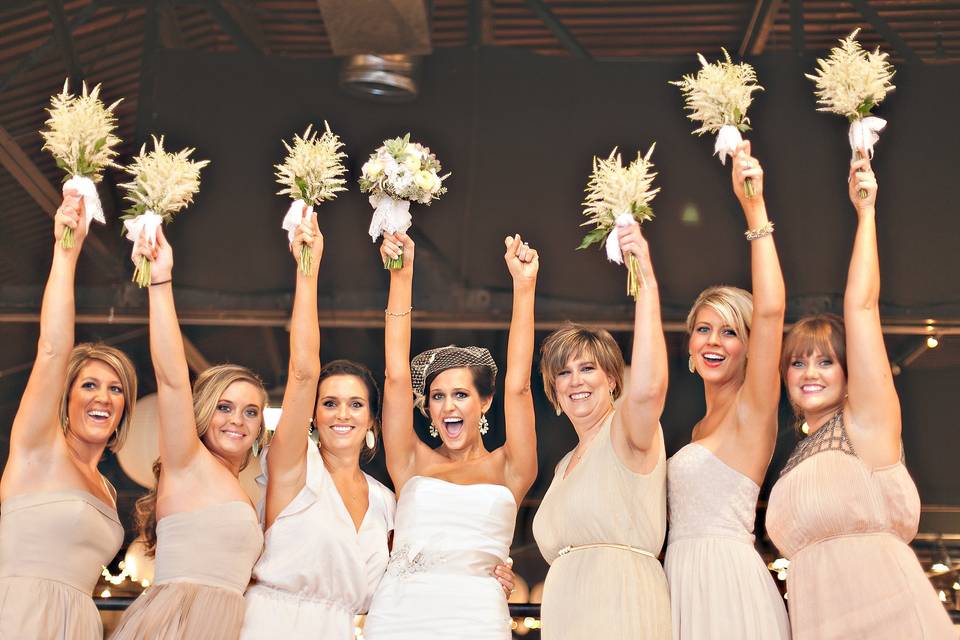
(756, 234)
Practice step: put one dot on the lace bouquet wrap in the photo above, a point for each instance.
(718, 97)
(310, 174)
(79, 136)
(851, 82)
(162, 184)
(617, 195)
(397, 173)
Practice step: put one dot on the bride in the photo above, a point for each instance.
(457, 503)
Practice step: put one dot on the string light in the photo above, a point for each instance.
(932, 342)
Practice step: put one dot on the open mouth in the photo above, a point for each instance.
(582, 395)
(812, 388)
(453, 426)
(713, 359)
(98, 415)
(342, 429)
(233, 435)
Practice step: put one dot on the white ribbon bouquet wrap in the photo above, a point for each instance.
(163, 184)
(397, 173)
(616, 196)
(310, 174)
(79, 136)
(718, 97)
(851, 82)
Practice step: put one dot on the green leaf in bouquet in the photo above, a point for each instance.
(596, 236)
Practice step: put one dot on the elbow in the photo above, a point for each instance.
(306, 372)
(646, 394)
(770, 309)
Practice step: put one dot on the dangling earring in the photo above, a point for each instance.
(559, 411)
(612, 399)
(370, 439)
(433, 431)
(691, 364)
(484, 425)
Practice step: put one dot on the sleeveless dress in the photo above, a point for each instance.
(609, 592)
(720, 587)
(53, 546)
(845, 528)
(317, 571)
(438, 586)
(204, 559)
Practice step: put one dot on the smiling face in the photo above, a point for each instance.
(719, 353)
(583, 389)
(343, 414)
(236, 422)
(455, 407)
(815, 383)
(95, 403)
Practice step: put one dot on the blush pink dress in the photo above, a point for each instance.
(845, 528)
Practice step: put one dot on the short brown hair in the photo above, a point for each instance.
(733, 304)
(121, 364)
(574, 340)
(823, 332)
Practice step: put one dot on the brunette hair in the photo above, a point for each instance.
(363, 373)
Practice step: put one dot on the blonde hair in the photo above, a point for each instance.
(573, 341)
(121, 364)
(733, 304)
(207, 391)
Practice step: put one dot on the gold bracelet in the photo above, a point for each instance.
(391, 314)
(756, 234)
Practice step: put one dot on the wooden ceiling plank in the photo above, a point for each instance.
(558, 29)
(62, 34)
(884, 29)
(758, 30)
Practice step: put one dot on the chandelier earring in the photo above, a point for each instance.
(433, 431)
(691, 364)
(484, 424)
(370, 439)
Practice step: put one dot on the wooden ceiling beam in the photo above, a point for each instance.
(558, 29)
(232, 27)
(64, 40)
(758, 30)
(886, 31)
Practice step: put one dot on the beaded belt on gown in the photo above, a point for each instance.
(607, 545)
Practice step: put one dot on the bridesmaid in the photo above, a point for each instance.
(198, 520)
(601, 523)
(845, 506)
(719, 586)
(326, 520)
(58, 514)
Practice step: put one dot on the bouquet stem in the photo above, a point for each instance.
(635, 279)
(862, 192)
(393, 263)
(141, 275)
(748, 188)
(66, 240)
(306, 260)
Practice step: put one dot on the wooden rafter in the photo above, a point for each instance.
(758, 31)
(558, 29)
(886, 31)
(64, 40)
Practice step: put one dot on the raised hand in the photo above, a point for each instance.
(307, 234)
(160, 255)
(393, 246)
(70, 215)
(862, 180)
(522, 261)
(746, 166)
(632, 241)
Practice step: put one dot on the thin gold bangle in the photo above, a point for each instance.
(391, 314)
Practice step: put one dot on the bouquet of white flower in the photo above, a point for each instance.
(310, 174)
(163, 184)
(80, 138)
(399, 172)
(851, 82)
(616, 195)
(718, 97)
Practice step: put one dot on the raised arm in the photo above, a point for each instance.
(646, 393)
(519, 419)
(179, 442)
(400, 441)
(760, 394)
(872, 396)
(287, 460)
(36, 424)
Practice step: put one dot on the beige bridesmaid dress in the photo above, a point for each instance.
(204, 560)
(53, 546)
(601, 530)
(845, 528)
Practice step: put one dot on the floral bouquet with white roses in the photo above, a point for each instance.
(80, 138)
(616, 196)
(718, 97)
(310, 174)
(399, 172)
(163, 184)
(851, 82)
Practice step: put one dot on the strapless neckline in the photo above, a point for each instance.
(473, 484)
